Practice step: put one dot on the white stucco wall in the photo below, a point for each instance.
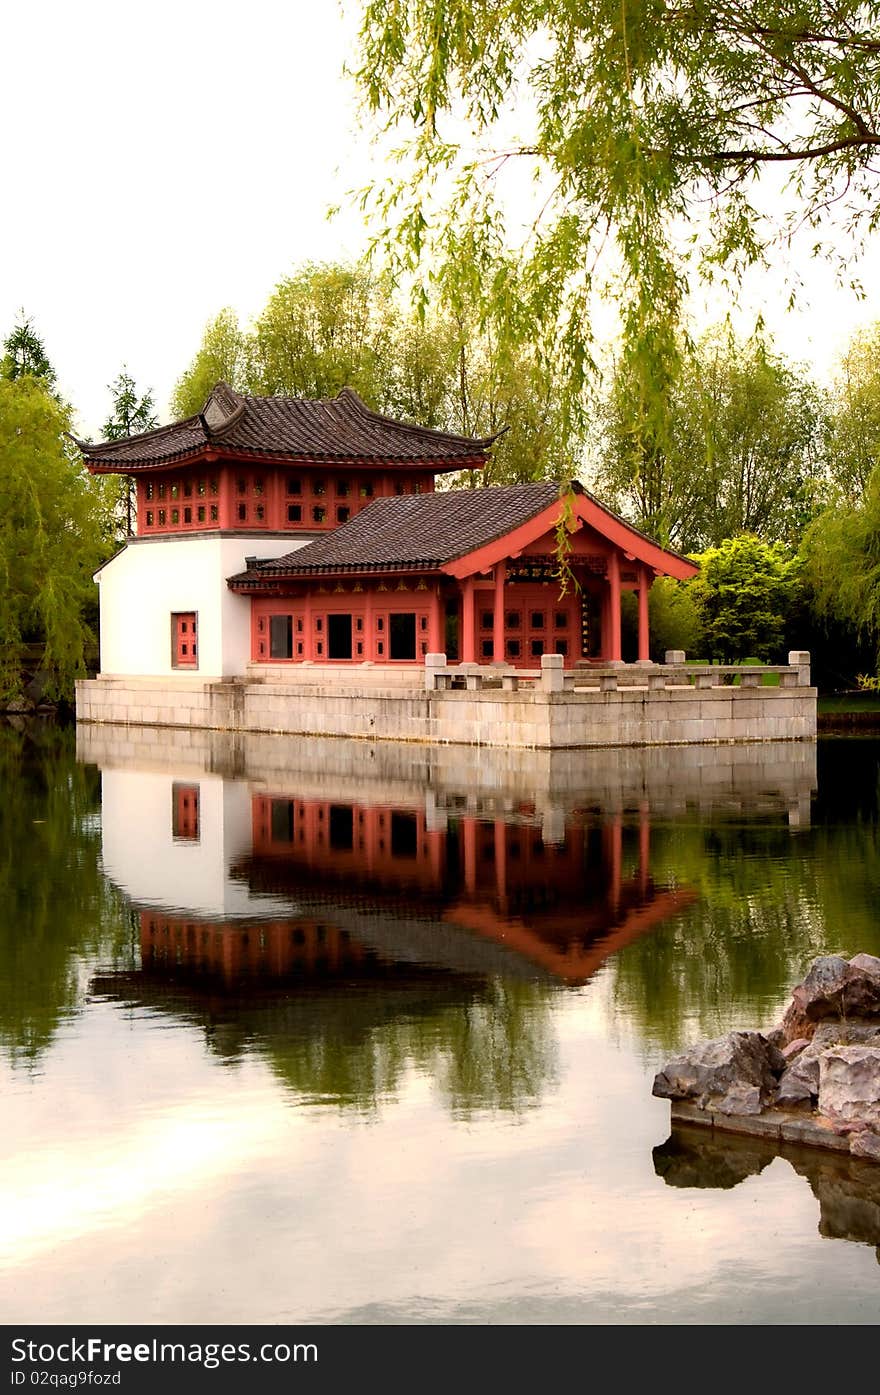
(150, 579)
(188, 876)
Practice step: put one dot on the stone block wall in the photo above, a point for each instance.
(674, 715)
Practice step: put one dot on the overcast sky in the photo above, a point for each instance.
(161, 161)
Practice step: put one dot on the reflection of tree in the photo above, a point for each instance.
(54, 902)
(486, 1043)
(769, 901)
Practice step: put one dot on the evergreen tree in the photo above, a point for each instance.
(24, 355)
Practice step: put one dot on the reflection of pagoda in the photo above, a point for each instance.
(563, 906)
(236, 884)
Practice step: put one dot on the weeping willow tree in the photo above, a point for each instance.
(54, 523)
(548, 151)
(841, 556)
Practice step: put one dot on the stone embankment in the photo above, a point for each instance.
(813, 1079)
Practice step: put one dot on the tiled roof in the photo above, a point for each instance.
(413, 531)
(338, 429)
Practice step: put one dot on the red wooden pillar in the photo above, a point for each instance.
(468, 629)
(501, 863)
(644, 636)
(613, 647)
(435, 623)
(644, 846)
(498, 614)
(469, 843)
(308, 637)
(369, 643)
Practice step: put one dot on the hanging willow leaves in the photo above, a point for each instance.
(657, 135)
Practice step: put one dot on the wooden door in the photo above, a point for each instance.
(184, 639)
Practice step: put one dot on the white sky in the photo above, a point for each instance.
(161, 161)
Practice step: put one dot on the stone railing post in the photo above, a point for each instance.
(800, 659)
(433, 662)
(552, 677)
(674, 656)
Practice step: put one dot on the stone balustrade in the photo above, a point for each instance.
(553, 677)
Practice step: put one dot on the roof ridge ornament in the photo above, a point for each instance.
(222, 410)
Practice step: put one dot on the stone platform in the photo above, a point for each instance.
(635, 705)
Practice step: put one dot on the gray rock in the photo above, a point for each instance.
(849, 1084)
(794, 1091)
(859, 1031)
(795, 1023)
(836, 987)
(735, 1074)
(794, 1048)
(865, 1144)
(867, 963)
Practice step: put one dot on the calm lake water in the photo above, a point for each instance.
(323, 1032)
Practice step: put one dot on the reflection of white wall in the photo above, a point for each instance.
(149, 579)
(151, 867)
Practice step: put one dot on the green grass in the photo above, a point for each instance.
(849, 702)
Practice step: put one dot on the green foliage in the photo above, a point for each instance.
(53, 532)
(739, 450)
(331, 326)
(854, 433)
(24, 355)
(675, 617)
(645, 128)
(841, 556)
(130, 414)
(220, 358)
(744, 592)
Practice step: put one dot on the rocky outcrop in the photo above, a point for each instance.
(736, 1074)
(821, 1064)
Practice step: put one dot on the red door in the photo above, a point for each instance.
(184, 640)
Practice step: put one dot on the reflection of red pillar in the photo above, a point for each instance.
(613, 648)
(498, 614)
(644, 847)
(615, 860)
(644, 587)
(468, 632)
(435, 626)
(469, 842)
(501, 862)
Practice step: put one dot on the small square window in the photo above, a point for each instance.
(149, 489)
(487, 649)
(241, 486)
(380, 623)
(318, 514)
(162, 489)
(343, 488)
(487, 619)
(537, 648)
(319, 648)
(299, 624)
(380, 648)
(537, 620)
(423, 622)
(258, 485)
(400, 489)
(175, 515)
(560, 619)
(242, 512)
(215, 488)
(318, 488)
(294, 486)
(215, 514)
(562, 646)
(261, 513)
(299, 649)
(161, 517)
(187, 490)
(513, 649)
(203, 488)
(149, 518)
(319, 624)
(187, 515)
(175, 491)
(360, 648)
(343, 515)
(359, 623)
(201, 513)
(417, 487)
(366, 491)
(512, 619)
(294, 513)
